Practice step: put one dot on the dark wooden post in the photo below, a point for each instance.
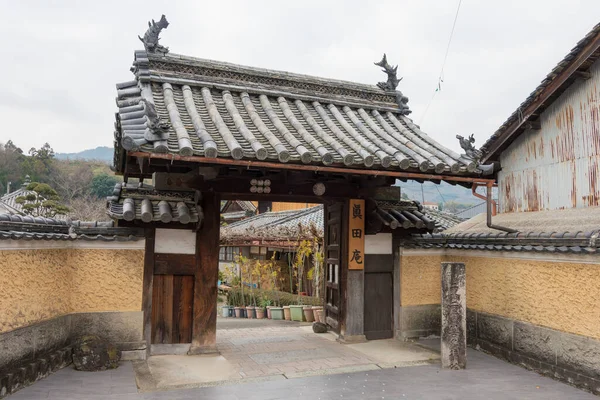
(147, 287)
(454, 316)
(204, 325)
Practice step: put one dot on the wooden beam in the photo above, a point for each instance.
(147, 287)
(533, 125)
(548, 91)
(204, 325)
(313, 168)
(584, 75)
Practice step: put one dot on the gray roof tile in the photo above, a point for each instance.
(215, 109)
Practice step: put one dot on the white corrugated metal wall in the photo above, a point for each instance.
(557, 166)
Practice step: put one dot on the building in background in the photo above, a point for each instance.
(532, 277)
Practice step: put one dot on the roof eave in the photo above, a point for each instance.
(507, 133)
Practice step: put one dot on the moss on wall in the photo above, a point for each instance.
(40, 284)
(562, 296)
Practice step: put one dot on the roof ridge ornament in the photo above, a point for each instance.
(468, 145)
(151, 38)
(392, 83)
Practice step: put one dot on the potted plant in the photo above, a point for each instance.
(309, 316)
(261, 310)
(286, 313)
(296, 311)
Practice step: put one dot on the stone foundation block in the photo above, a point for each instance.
(494, 329)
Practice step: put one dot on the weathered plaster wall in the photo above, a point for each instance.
(34, 285)
(37, 285)
(560, 295)
(420, 280)
(106, 280)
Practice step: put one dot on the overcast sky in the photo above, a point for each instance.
(61, 59)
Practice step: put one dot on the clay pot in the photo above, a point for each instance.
(286, 313)
(250, 312)
(260, 313)
(225, 311)
(303, 294)
(296, 312)
(319, 316)
(238, 312)
(316, 310)
(269, 312)
(276, 313)
(309, 316)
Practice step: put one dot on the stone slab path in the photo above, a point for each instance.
(485, 378)
(263, 350)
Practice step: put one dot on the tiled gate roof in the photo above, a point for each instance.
(195, 107)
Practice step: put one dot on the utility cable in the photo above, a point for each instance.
(441, 76)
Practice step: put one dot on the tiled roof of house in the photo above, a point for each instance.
(9, 205)
(307, 223)
(407, 214)
(17, 227)
(291, 225)
(189, 106)
(565, 231)
(578, 60)
(133, 202)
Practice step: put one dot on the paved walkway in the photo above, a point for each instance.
(278, 360)
(486, 378)
(271, 350)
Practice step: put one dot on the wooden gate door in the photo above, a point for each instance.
(334, 268)
(379, 297)
(172, 298)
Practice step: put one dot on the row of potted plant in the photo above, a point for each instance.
(294, 312)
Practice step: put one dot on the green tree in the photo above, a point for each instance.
(441, 206)
(11, 170)
(103, 185)
(39, 163)
(42, 202)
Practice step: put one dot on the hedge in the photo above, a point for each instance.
(268, 298)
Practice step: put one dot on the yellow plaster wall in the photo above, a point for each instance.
(36, 285)
(107, 280)
(558, 295)
(420, 280)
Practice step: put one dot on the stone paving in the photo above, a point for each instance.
(485, 378)
(279, 360)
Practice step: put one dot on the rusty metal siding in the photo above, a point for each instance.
(557, 166)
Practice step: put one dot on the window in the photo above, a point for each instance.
(228, 253)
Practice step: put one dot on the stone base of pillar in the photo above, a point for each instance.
(351, 339)
(454, 316)
(200, 350)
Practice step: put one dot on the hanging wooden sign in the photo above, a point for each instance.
(356, 234)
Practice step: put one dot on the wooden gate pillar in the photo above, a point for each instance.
(204, 326)
(354, 293)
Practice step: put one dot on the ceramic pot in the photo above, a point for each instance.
(316, 313)
(225, 311)
(309, 316)
(238, 312)
(296, 312)
(286, 313)
(269, 312)
(319, 316)
(260, 313)
(277, 313)
(250, 312)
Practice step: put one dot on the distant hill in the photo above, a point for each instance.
(444, 192)
(101, 153)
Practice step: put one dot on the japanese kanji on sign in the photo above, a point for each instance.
(356, 234)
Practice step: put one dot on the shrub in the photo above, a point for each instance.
(234, 298)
